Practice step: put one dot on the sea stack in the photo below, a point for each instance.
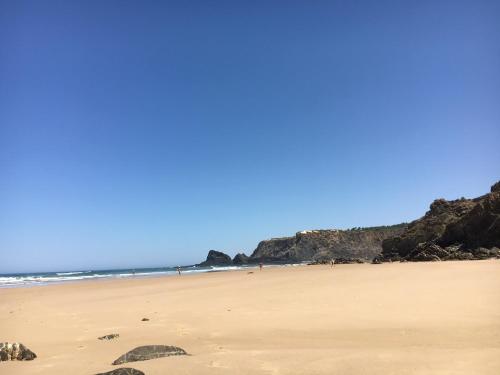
(240, 258)
(216, 258)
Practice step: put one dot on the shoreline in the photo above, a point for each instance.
(139, 275)
(225, 269)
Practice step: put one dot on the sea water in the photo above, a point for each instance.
(44, 278)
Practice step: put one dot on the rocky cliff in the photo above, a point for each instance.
(450, 230)
(319, 245)
(458, 229)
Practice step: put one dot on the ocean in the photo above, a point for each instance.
(44, 278)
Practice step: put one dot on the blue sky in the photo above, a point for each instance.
(146, 133)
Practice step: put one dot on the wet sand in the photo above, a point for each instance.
(399, 318)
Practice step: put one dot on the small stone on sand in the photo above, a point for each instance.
(109, 337)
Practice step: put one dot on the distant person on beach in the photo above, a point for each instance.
(179, 270)
(332, 262)
(260, 266)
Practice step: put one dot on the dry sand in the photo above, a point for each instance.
(408, 318)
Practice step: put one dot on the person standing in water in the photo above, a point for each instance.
(179, 270)
(260, 266)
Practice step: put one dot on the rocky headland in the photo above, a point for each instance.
(451, 230)
(459, 229)
(324, 245)
(319, 246)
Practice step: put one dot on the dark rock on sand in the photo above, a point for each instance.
(217, 258)
(337, 261)
(109, 337)
(145, 320)
(320, 261)
(144, 353)
(348, 261)
(460, 255)
(240, 258)
(484, 253)
(15, 352)
(123, 371)
(427, 252)
(462, 228)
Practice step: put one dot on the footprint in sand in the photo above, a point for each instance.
(182, 331)
(270, 368)
(217, 348)
(217, 364)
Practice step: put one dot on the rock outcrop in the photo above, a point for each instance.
(324, 245)
(147, 352)
(349, 261)
(427, 252)
(15, 352)
(451, 230)
(240, 258)
(216, 258)
(123, 371)
(338, 261)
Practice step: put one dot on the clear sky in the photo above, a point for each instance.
(144, 133)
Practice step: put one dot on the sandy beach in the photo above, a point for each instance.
(398, 318)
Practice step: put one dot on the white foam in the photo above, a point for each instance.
(60, 277)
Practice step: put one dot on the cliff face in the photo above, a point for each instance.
(479, 226)
(318, 245)
(459, 229)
